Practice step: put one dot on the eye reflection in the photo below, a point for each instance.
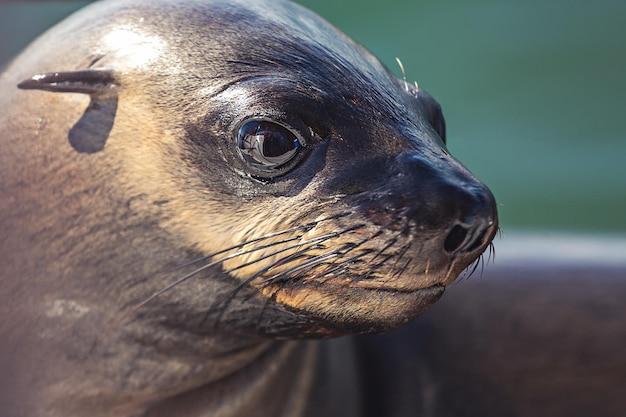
(267, 145)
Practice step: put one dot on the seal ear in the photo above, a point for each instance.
(88, 81)
(90, 133)
(434, 114)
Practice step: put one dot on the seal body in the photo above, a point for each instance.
(189, 185)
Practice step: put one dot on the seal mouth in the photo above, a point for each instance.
(336, 310)
(386, 284)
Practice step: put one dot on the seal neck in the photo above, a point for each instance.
(277, 383)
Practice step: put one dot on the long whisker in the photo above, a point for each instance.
(404, 268)
(240, 253)
(138, 306)
(330, 272)
(311, 244)
(492, 253)
(270, 299)
(202, 268)
(401, 255)
(315, 240)
(305, 227)
(302, 270)
(348, 263)
(387, 246)
(308, 265)
(388, 257)
(377, 266)
(472, 269)
(288, 259)
(345, 264)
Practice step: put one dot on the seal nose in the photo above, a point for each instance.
(475, 224)
(453, 200)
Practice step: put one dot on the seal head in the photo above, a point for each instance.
(294, 167)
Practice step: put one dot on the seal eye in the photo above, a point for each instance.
(267, 145)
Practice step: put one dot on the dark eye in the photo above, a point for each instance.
(267, 145)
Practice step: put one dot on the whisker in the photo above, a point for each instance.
(375, 267)
(299, 255)
(310, 264)
(482, 265)
(404, 268)
(472, 268)
(387, 246)
(492, 253)
(271, 298)
(306, 226)
(303, 270)
(316, 206)
(330, 272)
(342, 266)
(313, 243)
(347, 263)
(221, 306)
(202, 268)
(316, 240)
(401, 255)
(115, 324)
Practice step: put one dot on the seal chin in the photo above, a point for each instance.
(338, 310)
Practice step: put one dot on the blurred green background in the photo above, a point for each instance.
(534, 92)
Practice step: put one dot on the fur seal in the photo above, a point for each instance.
(189, 186)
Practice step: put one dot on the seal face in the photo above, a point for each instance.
(282, 153)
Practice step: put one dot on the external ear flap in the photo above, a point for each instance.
(433, 113)
(90, 133)
(88, 81)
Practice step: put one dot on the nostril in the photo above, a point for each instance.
(455, 239)
(475, 223)
(462, 239)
